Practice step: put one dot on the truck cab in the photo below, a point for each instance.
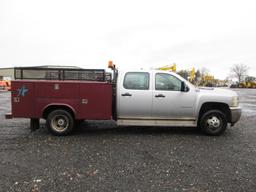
(160, 98)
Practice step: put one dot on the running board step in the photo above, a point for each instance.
(160, 122)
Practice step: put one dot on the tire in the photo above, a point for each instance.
(213, 122)
(60, 122)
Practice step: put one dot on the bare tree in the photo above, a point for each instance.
(239, 71)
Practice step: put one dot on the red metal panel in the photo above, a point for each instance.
(88, 100)
(57, 93)
(22, 99)
(57, 89)
(95, 101)
(43, 104)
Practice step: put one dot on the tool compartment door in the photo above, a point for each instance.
(95, 101)
(23, 99)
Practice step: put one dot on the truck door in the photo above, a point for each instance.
(134, 96)
(168, 100)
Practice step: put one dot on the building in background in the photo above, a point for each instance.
(6, 74)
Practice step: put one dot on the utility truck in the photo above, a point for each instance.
(65, 97)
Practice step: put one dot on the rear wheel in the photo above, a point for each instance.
(60, 122)
(213, 122)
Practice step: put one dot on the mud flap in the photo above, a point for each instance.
(34, 124)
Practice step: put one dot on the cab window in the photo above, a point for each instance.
(167, 82)
(136, 80)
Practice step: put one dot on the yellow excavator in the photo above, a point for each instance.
(168, 68)
(248, 84)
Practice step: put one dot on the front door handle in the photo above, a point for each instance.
(160, 95)
(126, 94)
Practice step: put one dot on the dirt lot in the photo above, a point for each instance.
(102, 157)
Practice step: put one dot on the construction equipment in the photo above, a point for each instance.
(168, 68)
(192, 75)
(247, 84)
(5, 85)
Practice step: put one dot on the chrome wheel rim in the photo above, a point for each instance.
(60, 123)
(213, 123)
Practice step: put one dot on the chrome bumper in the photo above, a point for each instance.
(235, 114)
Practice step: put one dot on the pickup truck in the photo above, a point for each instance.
(131, 98)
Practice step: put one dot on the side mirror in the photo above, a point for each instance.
(184, 87)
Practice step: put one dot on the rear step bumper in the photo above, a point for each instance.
(8, 116)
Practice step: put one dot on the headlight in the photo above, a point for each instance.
(234, 102)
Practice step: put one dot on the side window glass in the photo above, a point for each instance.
(167, 82)
(136, 80)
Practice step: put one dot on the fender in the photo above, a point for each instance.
(56, 106)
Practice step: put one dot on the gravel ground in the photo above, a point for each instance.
(102, 157)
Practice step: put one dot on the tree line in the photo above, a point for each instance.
(238, 72)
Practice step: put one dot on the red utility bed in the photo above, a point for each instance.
(84, 99)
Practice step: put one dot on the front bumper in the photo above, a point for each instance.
(235, 114)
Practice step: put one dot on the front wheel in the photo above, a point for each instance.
(60, 122)
(213, 122)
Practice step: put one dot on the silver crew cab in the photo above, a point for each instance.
(160, 98)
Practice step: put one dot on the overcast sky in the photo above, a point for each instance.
(132, 33)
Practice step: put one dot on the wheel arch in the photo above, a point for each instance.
(51, 107)
(223, 107)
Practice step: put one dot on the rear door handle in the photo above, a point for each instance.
(126, 94)
(160, 95)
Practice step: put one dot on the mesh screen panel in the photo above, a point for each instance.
(60, 74)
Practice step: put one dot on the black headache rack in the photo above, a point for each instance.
(40, 73)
